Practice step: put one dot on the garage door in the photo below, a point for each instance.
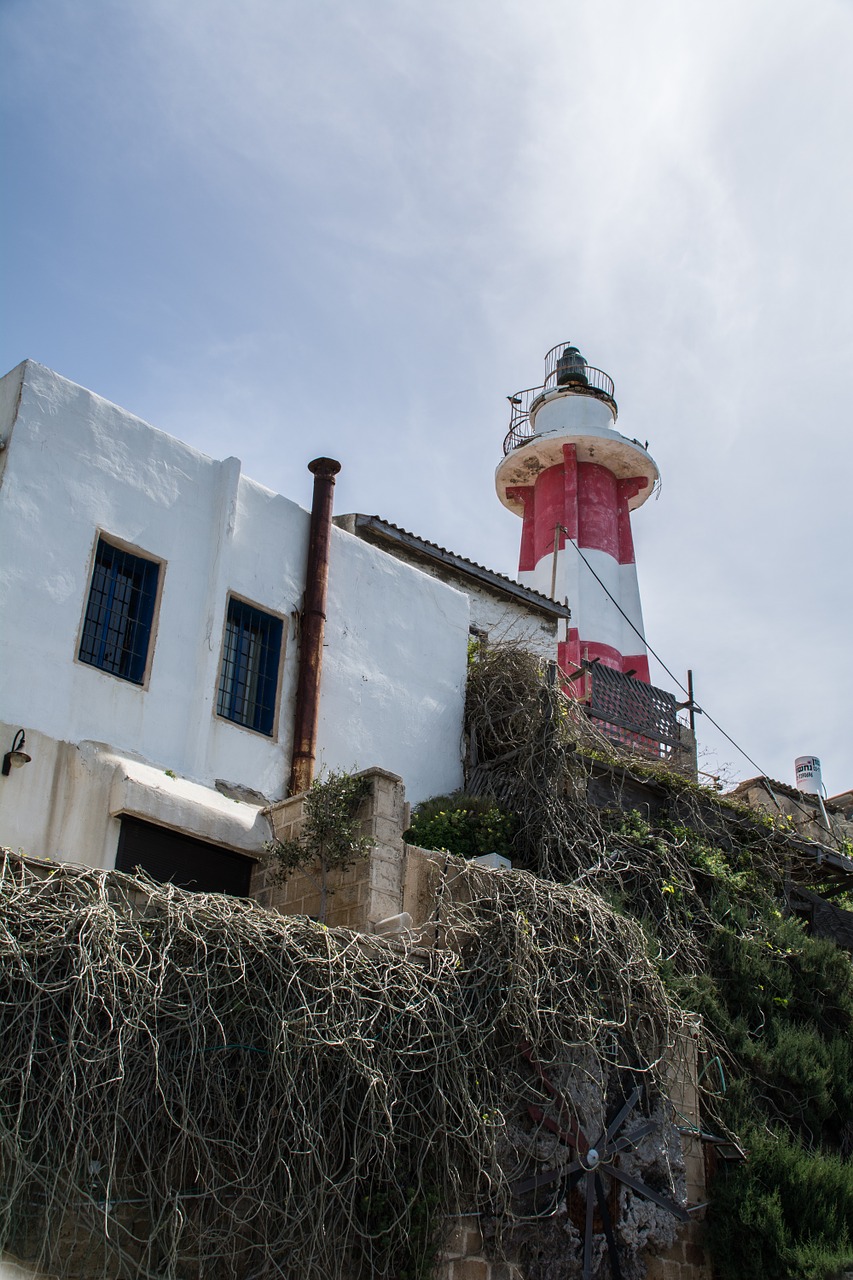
(192, 864)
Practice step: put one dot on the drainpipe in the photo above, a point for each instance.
(307, 711)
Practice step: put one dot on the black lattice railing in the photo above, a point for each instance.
(634, 714)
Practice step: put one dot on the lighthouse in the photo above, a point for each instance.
(574, 479)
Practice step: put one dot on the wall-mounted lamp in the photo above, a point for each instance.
(17, 756)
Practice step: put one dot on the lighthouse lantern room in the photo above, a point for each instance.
(574, 480)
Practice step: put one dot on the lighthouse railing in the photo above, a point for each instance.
(588, 375)
(589, 382)
(520, 429)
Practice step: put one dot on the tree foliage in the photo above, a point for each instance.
(331, 836)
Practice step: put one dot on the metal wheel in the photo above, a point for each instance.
(594, 1162)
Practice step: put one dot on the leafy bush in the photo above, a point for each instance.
(466, 825)
(786, 1213)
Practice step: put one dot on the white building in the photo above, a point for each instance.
(502, 610)
(149, 606)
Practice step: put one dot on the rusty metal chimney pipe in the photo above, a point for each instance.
(313, 626)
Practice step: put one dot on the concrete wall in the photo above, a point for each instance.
(67, 803)
(75, 466)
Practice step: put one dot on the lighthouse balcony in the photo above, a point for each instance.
(639, 718)
(565, 371)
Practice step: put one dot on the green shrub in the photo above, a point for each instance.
(465, 825)
(786, 1214)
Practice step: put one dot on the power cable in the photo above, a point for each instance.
(806, 812)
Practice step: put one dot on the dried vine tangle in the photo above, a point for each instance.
(191, 1087)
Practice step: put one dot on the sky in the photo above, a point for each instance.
(285, 228)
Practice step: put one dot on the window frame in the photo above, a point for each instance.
(281, 620)
(129, 548)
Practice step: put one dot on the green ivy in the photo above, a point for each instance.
(779, 1003)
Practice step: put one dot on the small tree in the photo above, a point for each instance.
(330, 836)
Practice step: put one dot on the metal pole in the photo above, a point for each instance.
(557, 529)
(307, 711)
(690, 704)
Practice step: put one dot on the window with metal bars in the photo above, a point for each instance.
(120, 612)
(248, 678)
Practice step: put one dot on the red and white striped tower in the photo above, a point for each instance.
(574, 479)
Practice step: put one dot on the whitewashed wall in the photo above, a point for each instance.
(504, 618)
(74, 465)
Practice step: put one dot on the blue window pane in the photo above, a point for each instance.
(119, 613)
(249, 675)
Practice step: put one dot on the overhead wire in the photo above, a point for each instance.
(675, 678)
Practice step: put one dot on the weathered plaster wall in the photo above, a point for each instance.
(72, 794)
(504, 618)
(394, 670)
(75, 466)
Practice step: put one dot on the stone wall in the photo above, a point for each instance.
(405, 882)
(369, 891)
(801, 811)
(686, 1259)
(463, 1257)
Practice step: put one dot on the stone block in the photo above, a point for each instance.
(386, 873)
(382, 906)
(465, 1237)
(694, 1172)
(473, 1237)
(663, 1269)
(388, 803)
(456, 1245)
(471, 1269)
(387, 832)
(504, 1271)
(695, 1255)
(345, 895)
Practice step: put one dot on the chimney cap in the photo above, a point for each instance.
(324, 468)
